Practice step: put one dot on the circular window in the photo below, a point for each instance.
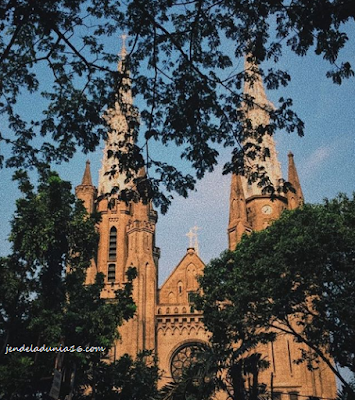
(183, 358)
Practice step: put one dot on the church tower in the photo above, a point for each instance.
(250, 209)
(126, 230)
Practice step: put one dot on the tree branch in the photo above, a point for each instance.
(302, 339)
(12, 41)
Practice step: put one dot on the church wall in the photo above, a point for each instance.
(177, 322)
(177, 325)
(289, 378)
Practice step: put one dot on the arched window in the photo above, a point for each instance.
(112, 250)
(180, 287)
(111, 273)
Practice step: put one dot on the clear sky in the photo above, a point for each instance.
(324, 159)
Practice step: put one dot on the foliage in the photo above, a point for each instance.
(199, 381)
(131, 379)
(295, 277)
(345, 393)
(44, 299)
(212, 371)
(183, 61)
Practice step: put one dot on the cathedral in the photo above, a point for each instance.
(165, 321)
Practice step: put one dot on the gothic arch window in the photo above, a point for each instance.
(180, 287)
(171, 298)
(111, 272)
(183, 358)
(112, 249)
(191, 276)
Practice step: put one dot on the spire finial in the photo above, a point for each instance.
(123, 52)
(124, 37)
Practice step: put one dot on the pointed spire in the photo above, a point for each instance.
(119, 137)
(253, 85)
(87, 175)
(238, 217)
(86, 191)
(258, 114)
(295, 199)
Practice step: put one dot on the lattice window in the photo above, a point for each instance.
(111, 273)
(112, 250)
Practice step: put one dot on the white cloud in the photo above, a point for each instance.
(316, 160)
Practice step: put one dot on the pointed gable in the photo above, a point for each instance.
(183, 280)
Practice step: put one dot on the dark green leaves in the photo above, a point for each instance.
(44, 298)
(295, 277)
(184, 61)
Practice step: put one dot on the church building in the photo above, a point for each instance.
(165, 321)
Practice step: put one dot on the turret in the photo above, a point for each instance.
(86, 191)
(238, 219)
(295, 198)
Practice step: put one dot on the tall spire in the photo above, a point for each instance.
(119, 137)
(253, 85)
(295, 199)
(258, 114)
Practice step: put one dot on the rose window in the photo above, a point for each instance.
(183, 358)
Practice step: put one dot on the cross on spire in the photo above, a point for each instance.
(124, 36)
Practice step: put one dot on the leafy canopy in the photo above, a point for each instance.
(184, 62)
(295, 277)
(44, 301)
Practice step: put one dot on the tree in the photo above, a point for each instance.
(189, 82)
(213, 371)
(131, 379)
(44, 300)
(295, 277)
(198, 381)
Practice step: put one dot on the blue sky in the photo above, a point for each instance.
(324, 159)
